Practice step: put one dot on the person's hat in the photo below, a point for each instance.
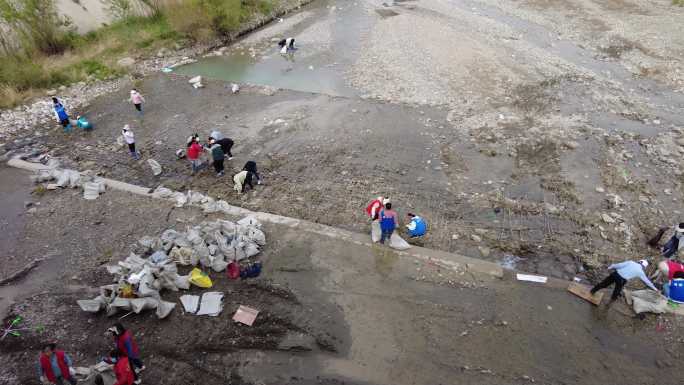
(386, 201)
(126, 127)
(644, 263)
(680, 228)
(112, 330)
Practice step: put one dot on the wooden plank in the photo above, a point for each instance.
(584, 292)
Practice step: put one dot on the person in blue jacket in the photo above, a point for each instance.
(417, 226)
(61, 114)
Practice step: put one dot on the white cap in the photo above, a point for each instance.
(679, 228)
(126, 127)
(644, 263)
(386, 201)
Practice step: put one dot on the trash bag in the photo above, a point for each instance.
(218, 265)
(159, 257)
(92, 305)
(91, 190)
(164, 308)
(256, 235)
(184, 256)
(251, 249)
(155, 166)
(397, 242)
(233, 271)
(183, 282)
(200, 278)
(162, 192)
(648, 301)
(252, 270)
(140, 304)
(249, 221)
(376, 232)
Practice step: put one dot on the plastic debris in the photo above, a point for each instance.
(531, 278)
(245, 315)
(155, 166)
(211, 304)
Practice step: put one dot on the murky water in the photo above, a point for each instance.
(326, 40)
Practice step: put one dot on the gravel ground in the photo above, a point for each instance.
(330, 313)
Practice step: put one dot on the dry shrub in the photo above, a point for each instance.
(9, 96)
(190, 18)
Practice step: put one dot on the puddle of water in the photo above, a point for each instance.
(282, 71)
(316, 66)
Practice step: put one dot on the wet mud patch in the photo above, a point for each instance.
(385, 13)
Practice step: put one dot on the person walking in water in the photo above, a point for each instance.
(130, 140)
(137, 99)
(61, 114)
(388, 221)
(624, 271)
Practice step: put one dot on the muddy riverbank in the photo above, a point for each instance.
(330, 312)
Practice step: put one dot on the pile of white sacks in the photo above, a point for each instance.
(210, 244)
(92, 186)
(193, 198)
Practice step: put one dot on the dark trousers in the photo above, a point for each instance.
(386, 234)
(62, 381)
(135, 363)
(138, 107)
(248, 182)
(671, 247)
(218, 166)
(613, 278)
(131, 148)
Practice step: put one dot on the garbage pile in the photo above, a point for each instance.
(193, 198)
(140, 280)
(92, 186)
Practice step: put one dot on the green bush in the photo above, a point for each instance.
(200, 19)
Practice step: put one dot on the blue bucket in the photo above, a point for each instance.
(677, 290)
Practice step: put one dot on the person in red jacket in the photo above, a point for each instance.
(373, 208)
(122, 369)
(54, 366)
(194, 151)
(123, 339)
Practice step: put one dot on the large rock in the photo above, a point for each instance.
(126, 62)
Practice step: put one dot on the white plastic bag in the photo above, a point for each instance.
(376, 232)
(397, 242)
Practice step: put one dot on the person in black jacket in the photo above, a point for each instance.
(251, 168)
(226, 144)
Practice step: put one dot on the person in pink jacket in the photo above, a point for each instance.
(137, 100)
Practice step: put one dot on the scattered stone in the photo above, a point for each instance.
(571, 144)
(475, 238)
(51, 92)
(600, 190)
(481, 231)
(485, 251)
(607, 218)
(455, 237)
(667, 191)
(126, 62)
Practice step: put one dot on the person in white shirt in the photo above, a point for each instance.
(129, 137)
(624, 271)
